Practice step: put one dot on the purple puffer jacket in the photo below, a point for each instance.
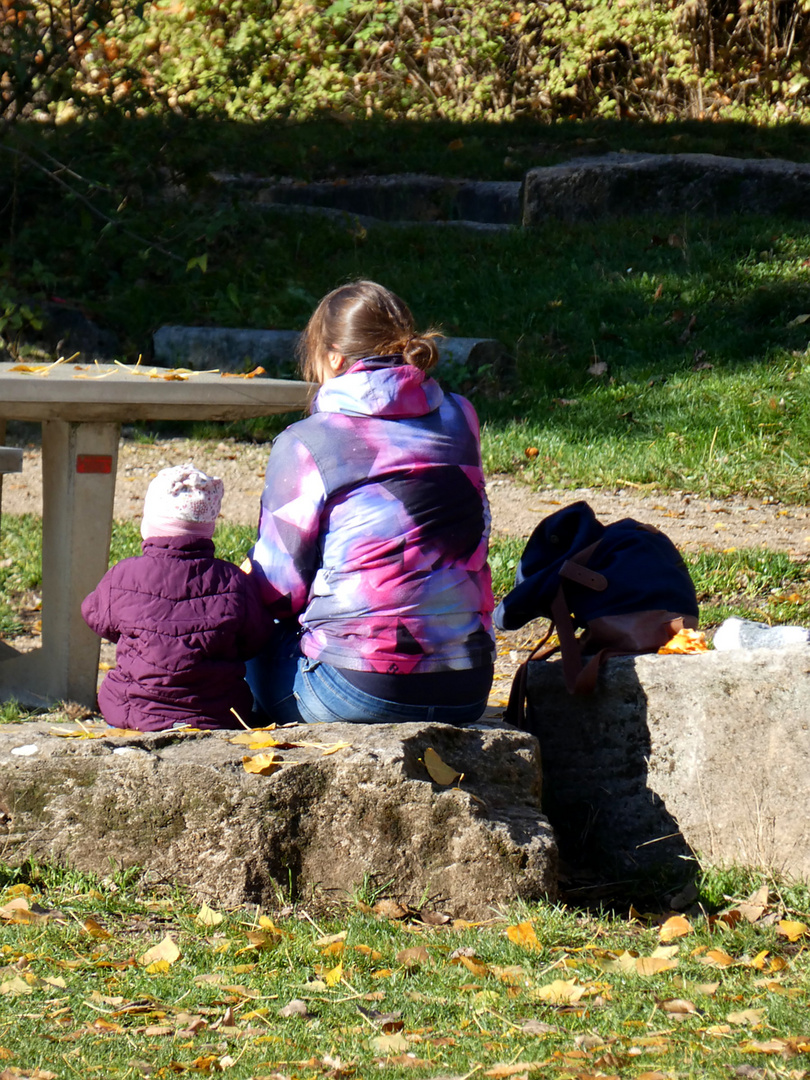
(184, 622)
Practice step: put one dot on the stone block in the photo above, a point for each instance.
(675, 755)
(619, 185)
(233, 349)
(407, 198)
(183, 807)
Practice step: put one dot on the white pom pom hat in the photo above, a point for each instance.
(180, 501)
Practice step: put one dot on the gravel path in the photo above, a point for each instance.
(692, 523)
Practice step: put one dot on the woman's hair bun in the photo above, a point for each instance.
(421, 351)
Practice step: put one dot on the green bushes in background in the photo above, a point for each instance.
(483, 59)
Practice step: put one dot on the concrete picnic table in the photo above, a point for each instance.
(81, 408)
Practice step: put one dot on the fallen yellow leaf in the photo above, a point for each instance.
(208, 917)
(165, 950)
(652, 965)
(261, 764)
(561, 991)
(716, 958)
(746, 1016)
(333, 977)
(686, 641)
(791, 930)
(254, 740)
(675, 927)
(439, 771)
(523, 934)
(413, 957)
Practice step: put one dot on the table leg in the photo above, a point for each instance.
(78, 481)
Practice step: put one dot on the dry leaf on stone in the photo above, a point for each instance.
(326, 748)
(686, 641)
(256, 740)
(261, 764)
(165, 951)
(439, 771)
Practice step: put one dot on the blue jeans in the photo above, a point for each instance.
(289, 688)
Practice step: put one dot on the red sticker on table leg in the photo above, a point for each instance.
(94, 463)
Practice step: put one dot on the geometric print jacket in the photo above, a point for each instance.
(374, 525)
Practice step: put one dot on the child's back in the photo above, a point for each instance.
(183, 620)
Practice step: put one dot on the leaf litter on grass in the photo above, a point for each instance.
(552, 993)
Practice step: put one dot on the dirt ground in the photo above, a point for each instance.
(692, 523)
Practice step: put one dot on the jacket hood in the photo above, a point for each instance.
(380, 386)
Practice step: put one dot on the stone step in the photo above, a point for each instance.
(407, 197)
(184, 808)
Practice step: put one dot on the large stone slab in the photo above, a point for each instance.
(618, 185)
(183, 807)
(707, 753)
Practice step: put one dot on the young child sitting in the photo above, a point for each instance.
(184, 621)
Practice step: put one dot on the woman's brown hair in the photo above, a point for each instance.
(363, 319)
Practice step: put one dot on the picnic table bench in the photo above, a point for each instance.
(81, 409)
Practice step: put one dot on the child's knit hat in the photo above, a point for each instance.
(182, 501)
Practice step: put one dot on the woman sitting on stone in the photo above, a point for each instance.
(373, 533)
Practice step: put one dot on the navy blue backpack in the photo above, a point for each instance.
(625, 584)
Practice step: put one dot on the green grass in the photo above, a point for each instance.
(705, 382)
(695, 324)
(78, 1000)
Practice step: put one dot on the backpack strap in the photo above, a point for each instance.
(515, 713)
(578, 679)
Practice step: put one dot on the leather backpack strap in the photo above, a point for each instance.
(570, 651)
(515, 713)
(575, 569)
